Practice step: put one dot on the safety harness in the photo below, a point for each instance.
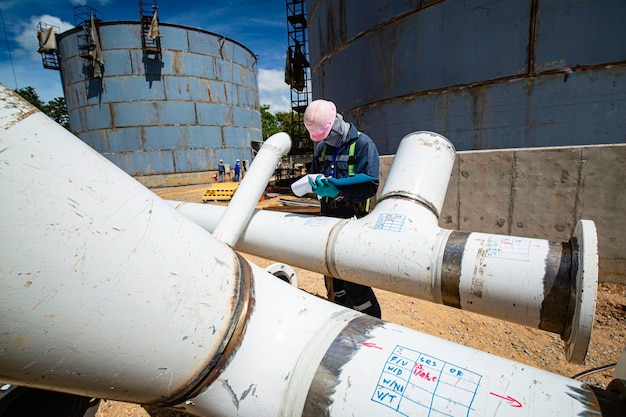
(351, 158)
(351, 165)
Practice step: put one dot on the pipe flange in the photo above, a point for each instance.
(585, 242)
(283, 272)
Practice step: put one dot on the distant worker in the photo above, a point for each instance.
(220, 171)
(348, 160)
(237, 170)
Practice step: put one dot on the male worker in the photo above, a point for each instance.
(348, 160)
(237, 170)
(220, 170)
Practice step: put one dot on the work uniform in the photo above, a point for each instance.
(353, 200)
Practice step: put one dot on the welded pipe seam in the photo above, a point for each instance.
(320, 396)
(329, 256)
(164, 286)
(413, 198)
(244, 305)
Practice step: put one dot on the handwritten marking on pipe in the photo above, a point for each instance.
(412, 382)
(372, 345)
(513, 402)
(390, 222)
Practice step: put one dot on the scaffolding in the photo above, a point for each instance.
(297, 73)
(48, 46)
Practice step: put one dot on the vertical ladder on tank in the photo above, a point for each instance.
(83, 16)
(150, 37)
(298, 74)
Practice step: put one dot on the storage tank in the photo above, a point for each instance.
(169, 111)
(486, 74)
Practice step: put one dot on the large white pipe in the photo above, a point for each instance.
(106, 291)
(251, 188)
(534, 282)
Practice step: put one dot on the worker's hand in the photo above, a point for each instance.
(324, 188)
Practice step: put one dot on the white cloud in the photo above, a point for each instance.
(27, 33)
(273, 90)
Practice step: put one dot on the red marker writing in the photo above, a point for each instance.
(508, 398)
(372, 345)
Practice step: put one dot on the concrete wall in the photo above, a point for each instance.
(541, 193)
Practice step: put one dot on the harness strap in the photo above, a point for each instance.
(351, 165)
(351, 158)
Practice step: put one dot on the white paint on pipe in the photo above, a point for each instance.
(395, 371)
(305, 356)
(421, 170)
(501, 277)
(251, 188)
(105, 290)
(286, 338)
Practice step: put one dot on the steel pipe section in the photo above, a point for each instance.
(538, 283)
(108, 292)
(251, 188)
(105, 290)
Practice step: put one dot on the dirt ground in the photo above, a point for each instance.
(519, 343)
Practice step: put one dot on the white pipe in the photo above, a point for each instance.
(402, 249)
(105, 290)
(108, 292)
(251, 188)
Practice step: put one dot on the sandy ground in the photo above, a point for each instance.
(519, 343)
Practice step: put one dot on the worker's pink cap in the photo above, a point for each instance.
(319, 117)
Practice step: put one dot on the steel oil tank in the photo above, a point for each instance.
(174, 113)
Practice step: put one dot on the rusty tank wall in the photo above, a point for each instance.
(486, 73)
(163, 117)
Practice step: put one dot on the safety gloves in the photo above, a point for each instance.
(323, 187)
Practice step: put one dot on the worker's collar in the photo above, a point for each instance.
(338, 132)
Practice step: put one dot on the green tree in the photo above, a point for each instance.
(56, 108)
(292, 123)
(30, 95)
(269, 124)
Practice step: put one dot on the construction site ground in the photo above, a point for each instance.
(519, 343)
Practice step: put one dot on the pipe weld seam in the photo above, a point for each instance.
(415, 198)
(330, 247)
(239, 320)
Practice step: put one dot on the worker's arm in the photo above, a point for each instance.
(356, 179)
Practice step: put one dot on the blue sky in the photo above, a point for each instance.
(259, 25)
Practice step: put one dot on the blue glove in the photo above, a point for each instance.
(324, 188)
(356, 179)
